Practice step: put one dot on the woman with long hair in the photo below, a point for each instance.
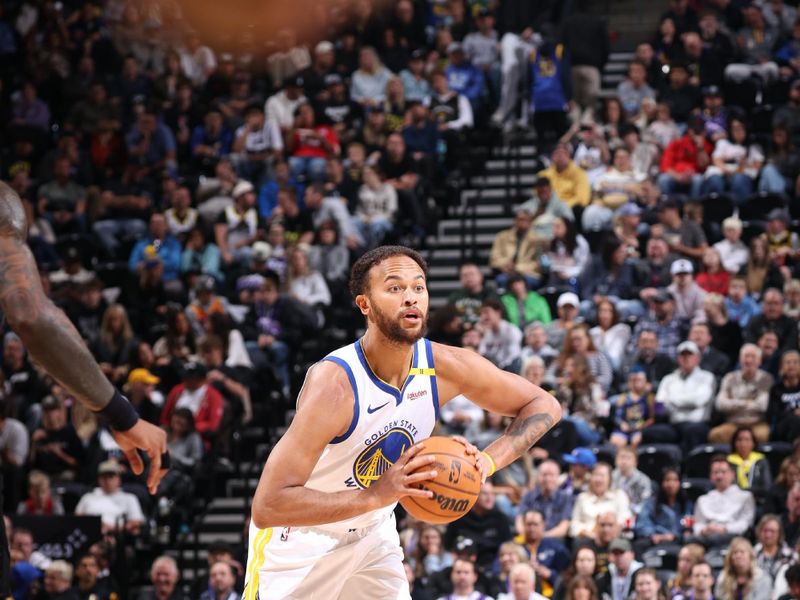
(784, 399)
(741, 578)
(752, 468)
(610, 336)
(429, 555)
(788, 476)
(567, 253)
(614, 276)
(760, 272)
(584, 564)
(736, 163)
(579, 342)
(661, 518)
(783, 164)
(582, 400)
(772, 551)
(116, 345)
(509, 554)
(307, 285)
(581, 587)
(179, 340)
(688, 557)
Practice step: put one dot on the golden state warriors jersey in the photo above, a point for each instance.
(386, 422)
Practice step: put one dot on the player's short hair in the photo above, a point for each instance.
(359, 274)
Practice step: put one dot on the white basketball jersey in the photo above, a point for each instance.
(386, 422)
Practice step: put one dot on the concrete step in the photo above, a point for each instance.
(625, 57)
(482, 239)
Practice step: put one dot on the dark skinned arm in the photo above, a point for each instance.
(54, 343)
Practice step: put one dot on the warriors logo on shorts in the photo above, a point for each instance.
(380, 455)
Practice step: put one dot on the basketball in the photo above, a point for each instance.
(455, 487)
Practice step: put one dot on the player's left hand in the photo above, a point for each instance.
(153, 440)
(480, 460)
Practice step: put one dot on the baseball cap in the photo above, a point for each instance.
(193, 369)
(681, 266)
(712, 90)
(332, 79)
(629, 209)
(464, 544)
(581, 456)
(418, 55)
(249, 282)
(205, 283)
(323, 47)
(620, 545)
(261, 251)
(294, 81)
(568, 298)
(688, 346)
(663, 296)
(142, 376)
(778, 214)
(50, 402)
(484, 12)
(242, 187)
(108, 467)
(666, 203)
(454, 47)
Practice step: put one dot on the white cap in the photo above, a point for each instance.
(261, 251)
(681, 266)
(323, 47)
(688, 346)
(242, 187)
(568, 298)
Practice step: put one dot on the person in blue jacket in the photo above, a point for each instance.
(157, 245)
(550, 89)
(661, 520)
(464, 77)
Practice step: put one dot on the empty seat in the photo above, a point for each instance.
(696, 463)
(654, 458)
(775, 453)
(663, 556)
(695, 487)
(606, 453)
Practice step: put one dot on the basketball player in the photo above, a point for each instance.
(55, 344)
(322, 523)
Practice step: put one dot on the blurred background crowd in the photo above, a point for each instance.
(195, 200)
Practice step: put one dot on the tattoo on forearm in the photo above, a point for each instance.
(525, 432)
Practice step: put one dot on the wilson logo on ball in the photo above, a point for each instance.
(448, 503)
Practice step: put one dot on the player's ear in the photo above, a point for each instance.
(362, 302)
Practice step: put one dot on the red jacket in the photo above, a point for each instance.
(208, 416)
(681, 155)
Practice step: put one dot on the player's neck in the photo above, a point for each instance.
(389, 360)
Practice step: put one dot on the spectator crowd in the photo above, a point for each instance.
(194, 202)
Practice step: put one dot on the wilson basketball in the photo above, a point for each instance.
(456, 485)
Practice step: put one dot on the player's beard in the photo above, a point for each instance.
(393, 331)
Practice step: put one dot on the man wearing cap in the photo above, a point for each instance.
(196, 394)
(622, 568)
(158, 242)
(567, 307)
(143, 394)
(689, 297)
(683, 236)
(569, 181)
(463, 77)
(664, 321)
(686, 395)
(743, 398)
(580, 463)
(415, 82)
(56, 448)
(685, 160)
(337, 110)
(206, 303)
(117, 509)
(783, 245)
(321, 66)
(714, 112)
(281, 106)
(236, 227)
(368, 84)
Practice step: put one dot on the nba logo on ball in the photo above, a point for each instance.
(378, 457)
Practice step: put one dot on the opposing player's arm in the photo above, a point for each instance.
(324, 412)
(53, 342)
(461, 371)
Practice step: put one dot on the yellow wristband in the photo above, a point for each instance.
(491, 462)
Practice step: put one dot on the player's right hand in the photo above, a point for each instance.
(398, 481)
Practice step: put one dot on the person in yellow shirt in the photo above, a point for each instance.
(569, 181)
